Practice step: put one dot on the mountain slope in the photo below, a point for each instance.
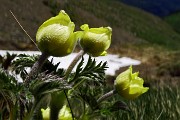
(129, 24)
(30, 14)
(174, 20)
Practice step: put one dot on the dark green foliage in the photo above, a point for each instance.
(82, 89)
(6, 61)
(49, 83)
(91, 71)
(18, 101)
(89, 81)
(7, 81)
(9, 95)
(49, 67)
(86, 86)
(89, 86)
(23, 62)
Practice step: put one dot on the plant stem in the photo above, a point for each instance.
(105, 96)
(75, 86)
(73, 63)
(69, 105)
(36, 67)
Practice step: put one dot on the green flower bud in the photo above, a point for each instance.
(129, 85)
(45, 113)
(55, 36)
(95, 41)
(64, 114)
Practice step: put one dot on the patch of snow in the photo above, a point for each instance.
(114, 62)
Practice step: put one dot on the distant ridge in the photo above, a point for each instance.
(160, 8)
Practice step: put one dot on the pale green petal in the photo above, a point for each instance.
(125, 93)
(129, 85)
(104, 53)
(138, 81)
(135, 89)
(65, 113)
(62, 18)
(145, 89)
(123, 79)
(45, 113)
(78, 34)
(85, 27)
(133, 75)
(106, 30)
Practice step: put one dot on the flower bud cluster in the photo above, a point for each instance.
(56, 37)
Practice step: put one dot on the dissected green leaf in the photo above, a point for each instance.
(48, 83)
(91, 71)
(5, 61)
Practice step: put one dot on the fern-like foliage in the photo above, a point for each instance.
(15, 96)
(88, 84)
(23, 62)
(5, 61)
(8, 93)
(48, 83)
(7, 81)
(83, 87)
(91, 71)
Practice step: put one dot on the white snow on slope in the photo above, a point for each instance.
(114, 62)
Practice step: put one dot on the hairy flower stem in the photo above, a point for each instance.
(36, 67)
(73, 63)
(69, 105)
(107, 95)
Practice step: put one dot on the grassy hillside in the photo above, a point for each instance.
(174, 20)
(30, 14)
(130, 25)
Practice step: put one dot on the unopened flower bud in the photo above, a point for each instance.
(95, 41)
(46, 113)
(55, 36)
(64, 114)
(129, 85)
